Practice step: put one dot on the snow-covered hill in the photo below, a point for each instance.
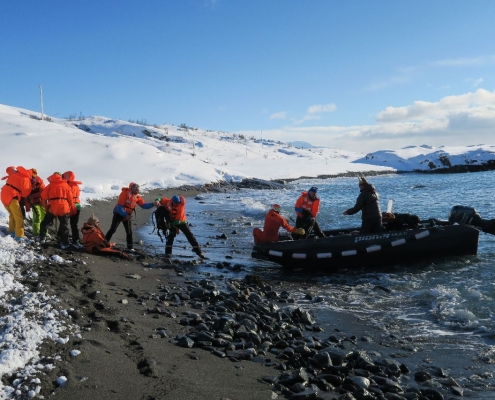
(107, 154)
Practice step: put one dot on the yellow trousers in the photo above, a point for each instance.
(16, 221)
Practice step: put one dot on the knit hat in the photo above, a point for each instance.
(313, 189)
(276, 207)
(93, 220)
(362, 180)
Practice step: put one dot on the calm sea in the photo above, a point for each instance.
(447, 297)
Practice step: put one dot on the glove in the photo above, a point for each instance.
(299, 231)
(78, 206)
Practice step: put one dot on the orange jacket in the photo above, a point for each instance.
(74, 186)
(38, 186)
(127, 201)
(304, 202)
(18, 184)
(56, 197)
(273, 222)
(177, 212)
(94, 242)
(93, 238)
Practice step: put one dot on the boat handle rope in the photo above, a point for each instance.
(370, 249)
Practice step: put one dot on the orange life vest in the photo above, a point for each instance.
(306, 203)
(177, 212)
(95, 243)
(273, 222)
(18, 184)
(38, 186)
(128, 200)
(56, 197)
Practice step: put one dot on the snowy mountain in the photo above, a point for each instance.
(428, 158)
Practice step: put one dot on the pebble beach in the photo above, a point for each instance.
(151, 329)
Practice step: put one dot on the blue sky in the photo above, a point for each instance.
(360, 75)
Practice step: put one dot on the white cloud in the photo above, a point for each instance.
(446, 105)
(321, 108)
(460, 120)
(279, 115)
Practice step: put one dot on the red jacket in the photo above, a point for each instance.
(304, 202)
(74, 186)
(128, 201)
(38, 186)
(273, 222)
(18, 184)
(56, 197)
(177, 212)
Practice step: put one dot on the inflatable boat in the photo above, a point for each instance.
(398, 244)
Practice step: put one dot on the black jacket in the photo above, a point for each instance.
(369, 202)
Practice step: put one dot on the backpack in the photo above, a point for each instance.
(161, 222)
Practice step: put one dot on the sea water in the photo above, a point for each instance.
(454, 296)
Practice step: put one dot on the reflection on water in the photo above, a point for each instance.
(450, 296)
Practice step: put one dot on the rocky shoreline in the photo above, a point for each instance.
(237, 322)
(152, 329)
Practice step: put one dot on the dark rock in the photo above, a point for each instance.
(422, 376)
(432, 394)
(306, 394)
(184, 341)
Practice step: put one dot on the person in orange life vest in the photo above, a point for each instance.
(94, 240)
(273, 222)
(70, 177)
(176, 218)
(57, 200)
(17, 186)
(307, 208)
(33, 202)
(126, 203)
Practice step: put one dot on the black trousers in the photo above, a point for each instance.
(187, 233)
(116, 220)
(371, 226)
(74, 221)
(309, 225)
(63, 229)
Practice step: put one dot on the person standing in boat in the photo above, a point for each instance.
(368, 202)
(273, 222)
(307, 208)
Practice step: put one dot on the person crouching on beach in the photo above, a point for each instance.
(126, 203)
(175, 211)
(368, 202)
(18, 186)
(94, 240)
(273, 222)
(56, 198)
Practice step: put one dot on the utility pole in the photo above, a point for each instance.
(41, 100)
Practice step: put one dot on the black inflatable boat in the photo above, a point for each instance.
(410, 241)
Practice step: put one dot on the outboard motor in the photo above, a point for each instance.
(463, 215)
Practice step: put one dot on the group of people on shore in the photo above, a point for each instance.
(59, 199)
(307, 208)
(24, 190)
